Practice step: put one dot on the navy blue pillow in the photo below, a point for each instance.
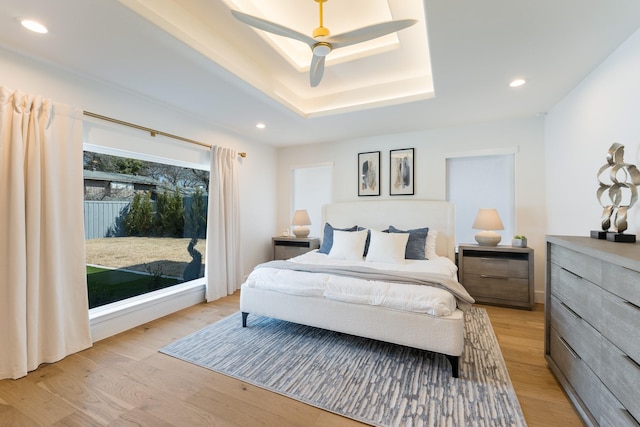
(327, 237)
(416, 244)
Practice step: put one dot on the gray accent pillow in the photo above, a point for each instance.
(416, 244)
(327, 237)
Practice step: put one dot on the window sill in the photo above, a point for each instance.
(120, 316)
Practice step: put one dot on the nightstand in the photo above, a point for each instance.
(497, 275)
(288, 247)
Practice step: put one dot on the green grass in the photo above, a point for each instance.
(107, 286)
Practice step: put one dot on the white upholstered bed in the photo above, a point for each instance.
(438, 333)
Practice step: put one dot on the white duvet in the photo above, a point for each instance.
(406, 297)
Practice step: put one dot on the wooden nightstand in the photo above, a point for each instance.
(498, 275)
(288, 247)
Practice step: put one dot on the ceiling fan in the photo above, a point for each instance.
(322, 43)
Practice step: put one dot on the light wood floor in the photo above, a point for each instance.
(124, 381)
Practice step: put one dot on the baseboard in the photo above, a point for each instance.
(118, 317)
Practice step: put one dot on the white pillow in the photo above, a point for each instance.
(430, 247)
(387, 247)
(348, 245)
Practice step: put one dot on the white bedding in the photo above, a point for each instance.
(404, 297)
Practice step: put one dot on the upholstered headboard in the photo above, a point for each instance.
(403, 214)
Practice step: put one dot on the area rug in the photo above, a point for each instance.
(370, 381)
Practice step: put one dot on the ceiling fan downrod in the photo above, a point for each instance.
(321, 31)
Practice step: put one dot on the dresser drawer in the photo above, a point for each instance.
(581, 336)
(482, 286)
(620, 323)
(613, 412)
(585, 383)
(621, 281)
(582, 296)
(496, 266)
(621, 375)
(583, 265)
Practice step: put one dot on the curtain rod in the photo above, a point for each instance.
(152, 132)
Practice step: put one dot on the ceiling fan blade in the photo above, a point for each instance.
(272, 27)
(368, 33)
(316, 70)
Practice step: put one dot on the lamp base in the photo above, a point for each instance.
(301, 231)
(488, 238)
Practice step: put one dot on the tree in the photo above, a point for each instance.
(195, 218)
(139, 220)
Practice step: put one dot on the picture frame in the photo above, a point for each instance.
(369, 173)
(401, 172)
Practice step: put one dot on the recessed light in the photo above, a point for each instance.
(34, 26)
(517, 82)
(261, 126)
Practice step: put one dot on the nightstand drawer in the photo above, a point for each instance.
(497, 267)
(500, 288)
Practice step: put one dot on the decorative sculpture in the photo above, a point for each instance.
(621, 177)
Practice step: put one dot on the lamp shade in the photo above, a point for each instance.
(488, 220)
(301, 220)
(301, 217)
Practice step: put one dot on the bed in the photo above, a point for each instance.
(438, 327)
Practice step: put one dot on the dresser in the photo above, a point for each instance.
(498, 275)
(289, 247)
(592, 326)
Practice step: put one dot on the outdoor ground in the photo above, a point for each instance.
(143, 253)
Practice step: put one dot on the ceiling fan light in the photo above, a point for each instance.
(321, 49)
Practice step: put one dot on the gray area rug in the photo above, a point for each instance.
(370, 381)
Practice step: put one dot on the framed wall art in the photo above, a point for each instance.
(369, 173)
(401, 172)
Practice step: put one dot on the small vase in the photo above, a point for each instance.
(519, 243)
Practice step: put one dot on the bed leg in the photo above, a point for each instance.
(454, 365)
(244, 319)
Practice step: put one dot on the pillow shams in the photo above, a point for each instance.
(387, 247)
(348, 245)
(416, 245)
(327, 237)
(430, 251)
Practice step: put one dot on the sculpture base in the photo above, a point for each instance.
(598, 234)
(621, 237)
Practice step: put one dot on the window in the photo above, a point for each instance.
(481, 181)
(311, 189)
(145, 226)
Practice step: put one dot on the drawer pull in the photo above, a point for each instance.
(568, 347)
(490, 276)
(630, 417)
(633, 362)
(572, 273)
(573, 313)
(632, 305)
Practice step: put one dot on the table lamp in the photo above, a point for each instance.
(301, 220)
(488, 220)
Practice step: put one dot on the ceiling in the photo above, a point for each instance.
(193, 55)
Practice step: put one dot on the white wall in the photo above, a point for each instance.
(604, 108)
(431, 149)
(256, 173)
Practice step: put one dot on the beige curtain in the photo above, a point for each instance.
(43, 293)
(224, 261)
